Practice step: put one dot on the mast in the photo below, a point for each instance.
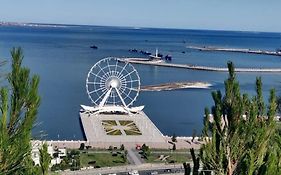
(156, 53)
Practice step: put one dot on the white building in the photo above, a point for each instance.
(35, 154)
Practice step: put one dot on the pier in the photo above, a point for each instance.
(260, 52)
(114, 129)
(194, 67)
(176, 85)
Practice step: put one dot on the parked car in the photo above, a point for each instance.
(153, 172)
(133, 172)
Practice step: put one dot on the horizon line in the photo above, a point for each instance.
(11, 23)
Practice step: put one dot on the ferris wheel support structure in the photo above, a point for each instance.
(112, 86)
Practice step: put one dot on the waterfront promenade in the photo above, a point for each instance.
(194, 67)
(182, 143)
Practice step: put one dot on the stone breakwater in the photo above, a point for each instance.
(262, 52)
(195, 67)
(176, 85)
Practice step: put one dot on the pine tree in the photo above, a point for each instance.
(45, 159)
(187, 168)
(196, 162)
(238, 139)
(17, 115)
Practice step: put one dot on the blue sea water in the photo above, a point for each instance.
(62, 58)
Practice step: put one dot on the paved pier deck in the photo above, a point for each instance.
(98, 129)
(202, 68)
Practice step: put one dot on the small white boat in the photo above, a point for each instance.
(156, 56)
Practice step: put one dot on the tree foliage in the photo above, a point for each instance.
(145, 151)
(19, 103)
(240, 138)
(45, 159)
(174, 138)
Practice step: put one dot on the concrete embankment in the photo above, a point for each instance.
(176, 85)
(262, 52)
(183, 142)
(202, 68)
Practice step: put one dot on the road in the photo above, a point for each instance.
(157, 171)
(143, 169)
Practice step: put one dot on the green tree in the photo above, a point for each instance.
(82, 146)
(174, 147)
(196, 162)
(2, 74)
(174, 138)
(187, 168)
(45, 159)
(18, 110)
(241, 135)
(124, 156)
(145, 151)
(193, 135)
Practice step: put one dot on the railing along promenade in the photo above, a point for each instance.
(194, 67)
(183, 142)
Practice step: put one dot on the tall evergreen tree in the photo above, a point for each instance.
(45, 159)
(238, 138)
(19, 103)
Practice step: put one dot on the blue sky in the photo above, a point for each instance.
(242, 15)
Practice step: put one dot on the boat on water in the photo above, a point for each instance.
(168, 57)
(94, 47)
(133, 50)
(156, 56)
(159, 56)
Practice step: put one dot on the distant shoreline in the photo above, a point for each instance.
(38, 24)
(32, 24)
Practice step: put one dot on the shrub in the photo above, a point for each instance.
(92, 162)
(82, 146)
(174, 138)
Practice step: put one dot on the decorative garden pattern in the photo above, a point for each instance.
(120, 127)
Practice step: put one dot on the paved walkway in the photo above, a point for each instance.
(182, 143)
(133, 158)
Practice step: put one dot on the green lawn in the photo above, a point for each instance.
(132, 132)
(177, 157)
(125, 122)
(109, 122)
(167, 150)
(102, 159)
(114, 132)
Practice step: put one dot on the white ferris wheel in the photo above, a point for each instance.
(113, 85)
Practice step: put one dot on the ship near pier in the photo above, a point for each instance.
(113, 87)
